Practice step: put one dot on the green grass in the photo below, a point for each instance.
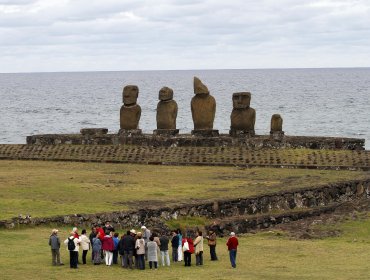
(184, 222)
(25, 254)
(55, 188)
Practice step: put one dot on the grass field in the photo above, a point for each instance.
(55, 188)
(25, 254)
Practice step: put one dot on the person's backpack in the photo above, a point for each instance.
(71, 244)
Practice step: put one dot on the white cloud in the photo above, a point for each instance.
(63, 35)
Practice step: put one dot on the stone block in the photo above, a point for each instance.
(129, 132)
(166, 132)
(277, 135)
(94, 131)
(205, 133)
(241, 133)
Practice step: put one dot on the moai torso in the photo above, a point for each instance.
(166, 109)
(130, 112)
(242, 116)
(276, 123)
(203, 107)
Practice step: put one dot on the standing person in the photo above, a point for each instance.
(54, 243)
(179, 248)
(76, 235)
(108, 228)
(163, 247)
(232, 245)
(85, 244)
(96, 249)
(73, 247)
(128, 249)
(156, 240)
(140, 250)
(152, 253)
(75, 232)
(175, 246)
(212, 244)
(100, 230)
(115, 251)
(146, 236)
(91, 237)
(188, 250)
(136, 261)
(198, 243)
(121, 250)
(108, 247)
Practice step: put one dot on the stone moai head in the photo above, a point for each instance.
(165, 94)
(241, 100)
(276, 123)
(130, 94)
(199, 87)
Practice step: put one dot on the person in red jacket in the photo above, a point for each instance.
(108, 248)
(188, 249)
(101, 232)
(232, 246)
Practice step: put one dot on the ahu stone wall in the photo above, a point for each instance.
(275, 207)
(187, 140)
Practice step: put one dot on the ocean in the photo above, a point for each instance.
(314, 102)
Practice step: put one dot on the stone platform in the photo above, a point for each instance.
(188, 140)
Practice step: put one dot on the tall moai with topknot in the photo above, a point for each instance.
(203, 110)
(243, 117)
(166, 113)
(276, 130)
(130, 112)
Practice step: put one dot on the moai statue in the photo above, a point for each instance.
(130, 111)
(166, 113)
(242, 116)
(276, 131)
(203, 110)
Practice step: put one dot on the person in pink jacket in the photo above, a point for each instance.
(108, 248)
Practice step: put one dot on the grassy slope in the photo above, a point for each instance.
(26, 255)
(55, 188)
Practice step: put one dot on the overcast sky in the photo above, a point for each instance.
(80, 35)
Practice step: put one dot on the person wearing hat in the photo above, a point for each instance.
(232, 245)
(54, 243)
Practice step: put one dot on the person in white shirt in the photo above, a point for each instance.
(85, 244)
(73, 246)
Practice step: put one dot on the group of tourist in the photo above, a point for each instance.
(137, 248)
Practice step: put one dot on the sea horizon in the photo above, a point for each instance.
(312, 101)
